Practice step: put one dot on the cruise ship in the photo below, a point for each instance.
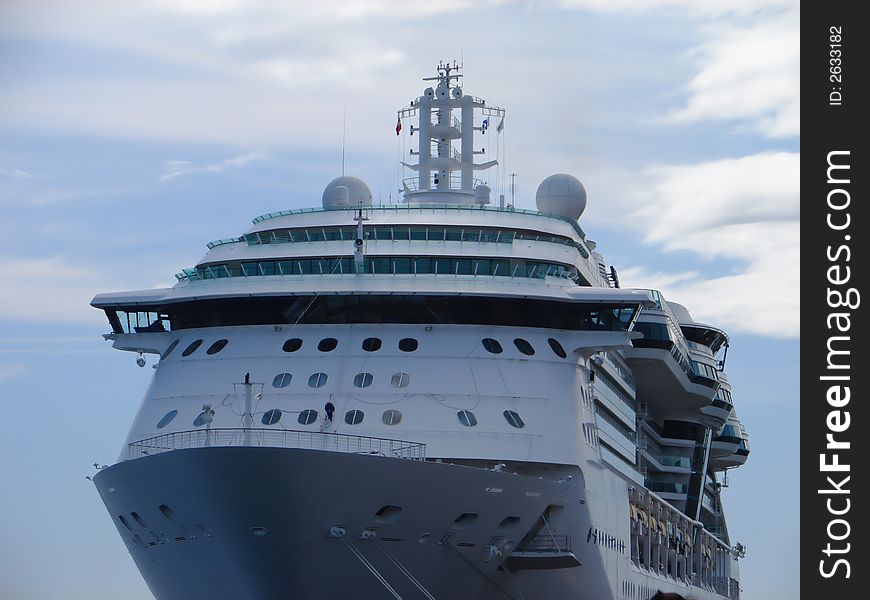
(447, 397)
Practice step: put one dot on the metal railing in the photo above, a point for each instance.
(549, 542)
(276, 438)
(419, 208)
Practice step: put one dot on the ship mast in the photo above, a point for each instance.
(445, 118)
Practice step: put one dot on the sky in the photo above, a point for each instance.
(132, 133)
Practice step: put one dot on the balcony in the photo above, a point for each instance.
(667, 487)
(670, 381)
(545, 551)
(275, 438)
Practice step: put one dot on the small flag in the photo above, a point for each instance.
(500, 127)
(485, 124)
(398, 126)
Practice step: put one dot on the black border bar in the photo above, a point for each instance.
(834, 228)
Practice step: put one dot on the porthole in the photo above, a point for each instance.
(400, 380)
(464, 520)
(492, 346)
(371, 344)
(317, 380)
(327, 344)
(557, 348)
(217, 347)
(292, 345)
(169, 350)
(508, 522)
(138, 519)
(167, 512)
(408, 344)
(524, 346)
(282, 380)
(272, 416)
(388, 514)
(392, 417)
(167, 419)
(192, 348)
(467, 418)
(354, 417)
(307, 416)
(124, 522)
(362, 380)
(513, 418)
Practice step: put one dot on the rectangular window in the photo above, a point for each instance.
(402, 265)
(381, 265)
(424, 265)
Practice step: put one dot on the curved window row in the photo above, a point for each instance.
(413, 232)
(360, 380)
(351, 417)
(371, 344)
(524, 346)
(194, 346)
(412, 309)
(382, 265)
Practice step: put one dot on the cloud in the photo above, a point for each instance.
(707, 8)
(710, 195)
(750, 74)
(745, 210)
(18, 174)
(179, 168)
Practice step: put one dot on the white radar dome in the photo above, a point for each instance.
(563, 195)
(346, 191)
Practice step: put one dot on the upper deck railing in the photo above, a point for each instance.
(276, 438)
(460, 209)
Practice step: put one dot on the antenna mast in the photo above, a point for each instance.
(446, 127)
(343, 138)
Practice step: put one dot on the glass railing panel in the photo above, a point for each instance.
(675, 461)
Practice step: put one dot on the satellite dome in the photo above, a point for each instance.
(563, 195)
(346, 191)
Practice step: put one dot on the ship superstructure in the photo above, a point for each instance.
(439, 398)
